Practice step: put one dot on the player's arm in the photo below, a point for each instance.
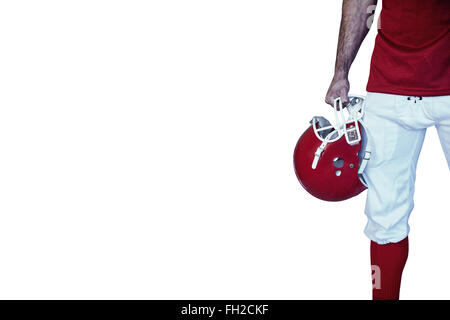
(355, 24)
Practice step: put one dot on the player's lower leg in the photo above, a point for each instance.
(388, 261)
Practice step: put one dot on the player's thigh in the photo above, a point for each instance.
(441, 110)
(393, 141)
(395, 150)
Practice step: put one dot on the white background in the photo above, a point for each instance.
(146, 152)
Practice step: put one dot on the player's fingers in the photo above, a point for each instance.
(344, 98)
(331, 96)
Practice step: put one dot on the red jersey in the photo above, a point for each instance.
(412, 49)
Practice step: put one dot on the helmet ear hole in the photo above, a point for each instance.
(338, 162)
(338, 172)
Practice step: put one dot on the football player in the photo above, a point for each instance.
(408, 92)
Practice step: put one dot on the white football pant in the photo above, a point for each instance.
(396, 127)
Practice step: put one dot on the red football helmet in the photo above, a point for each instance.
(327, 159)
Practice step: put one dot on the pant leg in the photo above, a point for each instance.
(441, 111)
(395, 131)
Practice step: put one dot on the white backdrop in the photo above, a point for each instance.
(146, 152)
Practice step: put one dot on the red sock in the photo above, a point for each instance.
(387, 261)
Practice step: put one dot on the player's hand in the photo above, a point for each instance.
(339, 87)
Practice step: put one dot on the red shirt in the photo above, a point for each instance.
(412, 49)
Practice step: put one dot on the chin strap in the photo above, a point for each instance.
(320, 149)
(318, 154)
